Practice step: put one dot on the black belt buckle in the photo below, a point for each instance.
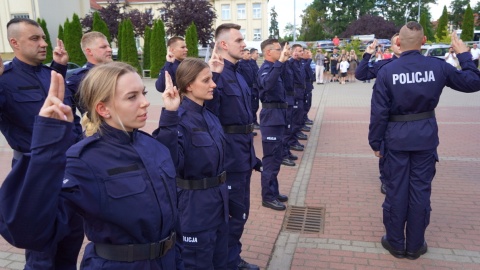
(249, 129)
(167, 244)
(222, 177)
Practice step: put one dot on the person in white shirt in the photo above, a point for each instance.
(344, 65)
(475, 54)
(451, 57)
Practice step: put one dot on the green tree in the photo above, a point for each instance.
(274, 32)
(312, 27)
(66, 26)
(446, 39)
(467, 25)
(146, 47)
(60, 32)
(43, 24)
(158, 48)
(191, 38)
(100, 25)
(129, 51)
(442, 27)
(458, 10)
(74, 37)
(119, 40)
(427, 26)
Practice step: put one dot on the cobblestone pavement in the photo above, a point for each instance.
(339, 172)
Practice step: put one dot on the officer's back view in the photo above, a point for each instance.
(404, 130)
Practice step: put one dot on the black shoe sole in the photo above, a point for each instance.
(416, 255)
(388, 247)
(273, 207)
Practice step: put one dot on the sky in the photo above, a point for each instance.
(285, 8)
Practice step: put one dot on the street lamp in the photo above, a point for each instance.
(418, 20)
(294, 20)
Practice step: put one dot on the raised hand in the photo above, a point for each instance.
(371, 48)
(169, 57)
(171, 97)
(60, 55)
(216, 62)
(53, 106)
(285, 53)
(457, 44)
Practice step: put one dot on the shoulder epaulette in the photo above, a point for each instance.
(76, 150)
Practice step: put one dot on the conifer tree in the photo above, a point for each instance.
(119, 41)
(191, 38)
(467, 25)
(442, 27)
(74, 38)
(129, 51)
(146, 48)
(66, 42)
(158, 48)
(100, 25)
(60, 32)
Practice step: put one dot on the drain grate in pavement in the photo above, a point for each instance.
(304, 219)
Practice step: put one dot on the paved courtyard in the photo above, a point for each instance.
(339, 172)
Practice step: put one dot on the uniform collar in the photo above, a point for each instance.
(88, 65)
(230, 65)
(26, 66)
(190, 105)
(116, 135)
(412, 52)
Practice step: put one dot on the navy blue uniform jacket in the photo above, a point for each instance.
(367, 70)
(122, 184)
(272, 91)
(23, 89)
(233, 105)
(73, 83)
(298, 78)
(413, 84)
(172, 69)
(246, 69)
(201, 154)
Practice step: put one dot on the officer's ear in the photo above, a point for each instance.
(13, 42)
(424, 40)
(102, 109)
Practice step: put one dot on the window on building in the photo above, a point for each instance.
(243, 32)
(257, 11)
(225, 12)
(257, 34)
(21, 16)
(241, 12)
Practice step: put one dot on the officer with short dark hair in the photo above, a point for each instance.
(403, 129)
(272, 120)
(23, 89)
(176, 52)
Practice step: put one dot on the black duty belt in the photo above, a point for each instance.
(302, 86)
(136, 252)
(290, 93)
(247, 129)
(204, 183)
(411, 117)
(275, 105)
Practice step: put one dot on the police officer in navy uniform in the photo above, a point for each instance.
(176, 52)
(96, 49)
(272, 120)
(288, 138)
(367, 70)
(299, 89)
(255, 97)
(232, 104)
(249, 73)
(309, 79)
(403, 129)
(23, 89)
(120, 179)
(202, 192)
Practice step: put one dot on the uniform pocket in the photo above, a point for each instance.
(201, 139)
(125, 185)
(27, 96)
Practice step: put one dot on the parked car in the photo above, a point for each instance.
(325, 45)
(71, 68)
(313, 65)
(435, 50)
(385, 43)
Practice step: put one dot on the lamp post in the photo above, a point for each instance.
(418, 19)
(294, 20)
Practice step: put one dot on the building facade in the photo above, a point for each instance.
(53, 11)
